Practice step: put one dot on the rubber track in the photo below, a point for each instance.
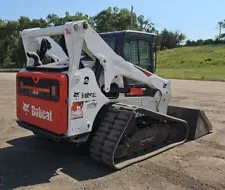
(111, 130)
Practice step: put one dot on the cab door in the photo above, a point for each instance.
(139, 50)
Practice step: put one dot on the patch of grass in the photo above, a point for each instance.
(201, 63)
(187, 57)
(212, 74)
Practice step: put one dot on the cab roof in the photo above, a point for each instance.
(129, 31)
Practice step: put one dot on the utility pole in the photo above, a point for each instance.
(131, 17)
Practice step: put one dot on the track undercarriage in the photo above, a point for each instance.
(129, 134)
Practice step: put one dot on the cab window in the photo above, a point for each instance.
(137, 52)
(131, 51)
(110, 40)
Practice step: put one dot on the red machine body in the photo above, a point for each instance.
(42, 100)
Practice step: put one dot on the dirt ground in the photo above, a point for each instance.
(29, 163)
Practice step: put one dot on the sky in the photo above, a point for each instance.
(195, 18)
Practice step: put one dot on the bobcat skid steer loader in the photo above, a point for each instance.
(93, 95)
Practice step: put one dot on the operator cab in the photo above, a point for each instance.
(134, 46)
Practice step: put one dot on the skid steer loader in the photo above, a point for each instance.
(87, 92)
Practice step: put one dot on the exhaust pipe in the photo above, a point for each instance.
(198, 122)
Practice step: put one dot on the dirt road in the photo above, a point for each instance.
(28, 163)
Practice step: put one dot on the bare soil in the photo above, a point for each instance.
(30, 163)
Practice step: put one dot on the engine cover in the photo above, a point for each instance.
(41, 100)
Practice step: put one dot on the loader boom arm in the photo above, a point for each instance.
(79, 36)
(115, 65)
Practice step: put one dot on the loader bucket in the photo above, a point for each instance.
(199, 124)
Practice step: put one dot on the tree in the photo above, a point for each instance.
(55, 20)
(112, 19)
(145, 25)
(169, 39)
(221, 24)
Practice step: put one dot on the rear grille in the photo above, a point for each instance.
(46, 89)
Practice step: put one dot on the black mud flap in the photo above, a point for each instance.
(199, 124)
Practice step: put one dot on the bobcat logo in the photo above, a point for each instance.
(37, 112)
(76, 110)
(26, 108)
(76, 94)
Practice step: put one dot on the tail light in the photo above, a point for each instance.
(21, 85)
(54, 91)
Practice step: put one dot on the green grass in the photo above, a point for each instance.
(201, 63)
(212, 74)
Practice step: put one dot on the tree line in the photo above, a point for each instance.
(110, 19)
(201, 42)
